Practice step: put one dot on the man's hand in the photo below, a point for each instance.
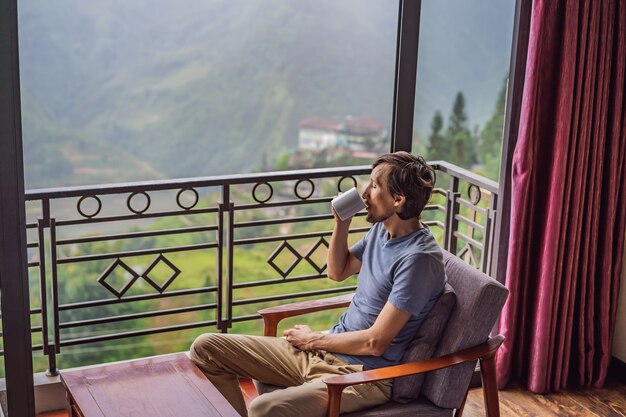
(301, 336)
(373, 341)
(340, 261)
(341, 223)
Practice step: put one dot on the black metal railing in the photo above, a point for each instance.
(120, 261)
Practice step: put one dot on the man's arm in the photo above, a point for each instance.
(373, 341)
(341, 262)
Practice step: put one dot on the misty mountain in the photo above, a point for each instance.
(154, 88)
(62, 156)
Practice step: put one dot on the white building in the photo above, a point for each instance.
(318, 134)
(358, 134)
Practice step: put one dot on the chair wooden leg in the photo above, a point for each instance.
(334, 400)
(490, 387)
(459, 411)
(271, 326)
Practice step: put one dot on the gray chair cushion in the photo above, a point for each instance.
(479, 299)
(262, 388)
(421, 407)
(407, 389)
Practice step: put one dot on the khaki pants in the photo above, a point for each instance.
(225, 357)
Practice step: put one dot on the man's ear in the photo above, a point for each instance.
(398, 200)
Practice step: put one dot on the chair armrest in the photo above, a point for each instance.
(484, 349)
(273, 315)
(336, 384)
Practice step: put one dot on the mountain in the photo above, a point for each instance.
(66, 157)
(180, 85)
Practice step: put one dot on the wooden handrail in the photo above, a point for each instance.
(273, 315)
(418, 367)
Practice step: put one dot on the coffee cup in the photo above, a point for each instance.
(348, 204)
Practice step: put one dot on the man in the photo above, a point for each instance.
(401, 275)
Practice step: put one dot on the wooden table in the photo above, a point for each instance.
(163, 386)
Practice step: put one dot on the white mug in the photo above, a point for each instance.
(348, 204)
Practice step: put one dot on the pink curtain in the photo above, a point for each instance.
(568, 204)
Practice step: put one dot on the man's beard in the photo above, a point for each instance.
(371, 218)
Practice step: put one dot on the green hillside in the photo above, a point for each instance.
(67, 157)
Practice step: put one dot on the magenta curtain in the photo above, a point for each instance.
(568, 199)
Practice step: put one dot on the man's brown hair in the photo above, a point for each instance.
(409, 176)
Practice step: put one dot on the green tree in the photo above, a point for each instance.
(490, 147)
(458, 135)
(438, 149)
(458, 118)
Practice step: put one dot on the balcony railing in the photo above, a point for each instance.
(131, 260)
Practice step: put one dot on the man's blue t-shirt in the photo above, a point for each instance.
(408, 272)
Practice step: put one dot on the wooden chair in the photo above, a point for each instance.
(441, 358)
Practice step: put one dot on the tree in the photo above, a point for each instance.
(490, 147)
(438, 149)
(458, 135)
(458, 118)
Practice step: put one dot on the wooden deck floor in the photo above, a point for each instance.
(516, 401)
(609, 401)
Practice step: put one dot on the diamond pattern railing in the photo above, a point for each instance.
(141, 260)
(284, 246)
(161, 259)
(102, 279)
(320, 243)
